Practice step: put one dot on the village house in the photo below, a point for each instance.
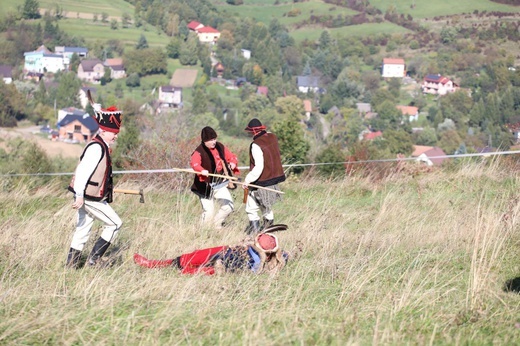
(246, 53)
(117, 68)
(77, 127)
(393, 68)
(438, 85)
(91, 70)
(262, 90)
(369, 135)
(432, 156)
(365, 110)
(308, 83)
(170, 97)
(43, 60)
(6, 73)
(409, 111)
(194, 25)
(207, 34)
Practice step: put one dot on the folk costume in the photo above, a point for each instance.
(265, 170)
(261, 254)
(92, 186)
(213, 157)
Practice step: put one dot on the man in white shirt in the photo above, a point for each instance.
(93, 187)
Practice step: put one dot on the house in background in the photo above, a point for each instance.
(438, 85)
(170, 97)
(365, 110)
(194, 25)
(432, 156)
(207, 34)
(91, 70)
(246, 53)
(6, 73)
(117, 68)
(371, 135)
(43, 60)
(409, 111)
(262, 90)
(62, 113)
(82, 95)
(68, 52)
(393, 68)
(308, 83)
(77, 128)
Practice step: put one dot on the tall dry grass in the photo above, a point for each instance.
(410, 259)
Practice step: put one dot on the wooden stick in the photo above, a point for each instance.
(210, 174)
(259, 187)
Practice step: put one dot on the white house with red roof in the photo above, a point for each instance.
(409, 111)
(207, 34)
(393, 68)
(429, 155)
(437, 84)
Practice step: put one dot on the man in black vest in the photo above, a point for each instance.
(266, 170)
(212, 157)
(93, 187)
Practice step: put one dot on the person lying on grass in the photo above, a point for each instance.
(259, 254)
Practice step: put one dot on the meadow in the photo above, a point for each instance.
(430, 9)
(414, 258)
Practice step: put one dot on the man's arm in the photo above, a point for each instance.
(257, 170)
(84, 171)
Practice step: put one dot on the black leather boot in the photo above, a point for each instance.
(99, 249)
(73, 258)
(253, 228)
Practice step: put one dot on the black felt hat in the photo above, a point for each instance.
(254, 123)
(208, 134)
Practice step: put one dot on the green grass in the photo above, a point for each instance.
(429, 9)
(353, 30)
(99, 31)
(265, 12)
(416, 258)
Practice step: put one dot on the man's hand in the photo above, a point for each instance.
(232, 165)
(205, 173)
(78, 203)
(244, 186)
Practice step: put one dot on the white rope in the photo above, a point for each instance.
(173, 170)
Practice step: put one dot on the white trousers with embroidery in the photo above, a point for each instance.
(86, 215)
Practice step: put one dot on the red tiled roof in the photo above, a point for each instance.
(395, 61)
(408, 110)
(207, 30)
(372, 135)
(193, 25)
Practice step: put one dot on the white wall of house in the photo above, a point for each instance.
(393, 70)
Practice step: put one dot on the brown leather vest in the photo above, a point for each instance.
(100, 184)
(202, 188)
(273, 171)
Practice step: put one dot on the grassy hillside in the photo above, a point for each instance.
(413, 259)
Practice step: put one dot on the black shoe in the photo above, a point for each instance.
(73, 258)
(253, 228)
(100, 247)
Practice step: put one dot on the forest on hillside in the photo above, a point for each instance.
(478, 50)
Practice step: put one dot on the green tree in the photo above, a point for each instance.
(31, 9)
(199, 103)
(142, 43)
(173, 48)
(329, 155)
(11, 105)
(127, 142)
(67, 91)
(398, 142)
(188, 51)
(293, 146)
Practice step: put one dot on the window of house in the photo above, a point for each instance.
(77, 128)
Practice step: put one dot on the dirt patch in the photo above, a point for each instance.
(52, 148)
(183, 78)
